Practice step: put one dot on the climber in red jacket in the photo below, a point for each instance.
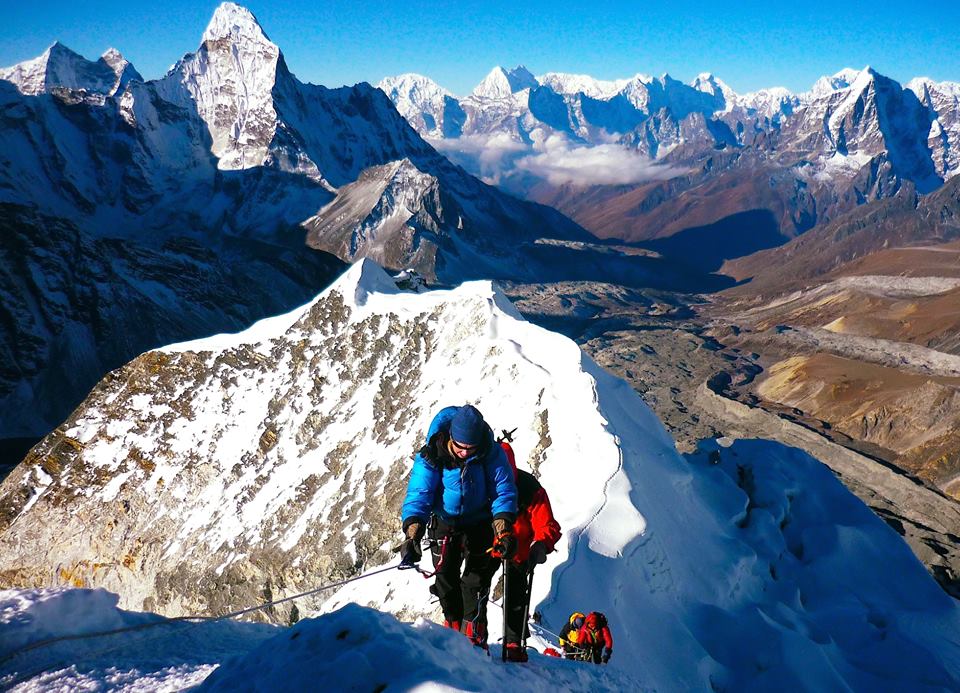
(594, 639)
(537, 534)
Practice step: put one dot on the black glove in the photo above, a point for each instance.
(504, 546)
(606, 655)
(538, 553)
(410, 551)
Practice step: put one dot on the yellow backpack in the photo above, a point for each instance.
(575, 621)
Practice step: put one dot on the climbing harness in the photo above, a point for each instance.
(436, 569)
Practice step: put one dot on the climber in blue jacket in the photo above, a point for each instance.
(462, 493)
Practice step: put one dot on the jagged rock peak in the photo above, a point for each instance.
(400, 172)
(59, 66)
(112, 56)
(567, 83)
(707, 83)
(840, 80)
(412, 86)
(236, 23)
(500, 83)
(230, 82)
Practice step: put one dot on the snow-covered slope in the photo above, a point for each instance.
(341, 651)
(209, 474)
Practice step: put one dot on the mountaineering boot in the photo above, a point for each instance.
(455, 625)
(477, 634)
(516, 652)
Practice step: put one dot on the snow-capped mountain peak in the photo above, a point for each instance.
(122, 68)
(426, 105)
(770, 102)
(565, 83)
(236, 23)
(919, 84)
(59, 66)
(840, 80)
(230, 82)
(411, 85)
(501, 83)
(707, 82)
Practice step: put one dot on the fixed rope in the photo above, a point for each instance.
(176, 620)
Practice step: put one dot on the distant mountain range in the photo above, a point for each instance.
(851, 114)
(645, 157)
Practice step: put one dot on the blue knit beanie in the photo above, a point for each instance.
(468, 426)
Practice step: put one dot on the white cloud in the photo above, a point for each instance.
(489, 156)
(498, 158)
(558, 161)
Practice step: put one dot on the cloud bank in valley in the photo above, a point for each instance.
(500, 159)
(558, 162)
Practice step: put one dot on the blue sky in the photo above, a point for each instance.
(747, 44)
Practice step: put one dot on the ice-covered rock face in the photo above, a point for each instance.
(230, 79)
(869, 128)
(942, 100)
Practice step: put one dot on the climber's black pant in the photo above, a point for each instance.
(463, 598)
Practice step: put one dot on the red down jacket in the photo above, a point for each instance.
(535, 521)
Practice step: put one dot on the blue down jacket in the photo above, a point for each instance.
(483, 489)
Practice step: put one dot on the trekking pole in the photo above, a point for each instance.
(526, 611)
(506, 612)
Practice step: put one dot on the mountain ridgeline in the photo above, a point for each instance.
(702, 155)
